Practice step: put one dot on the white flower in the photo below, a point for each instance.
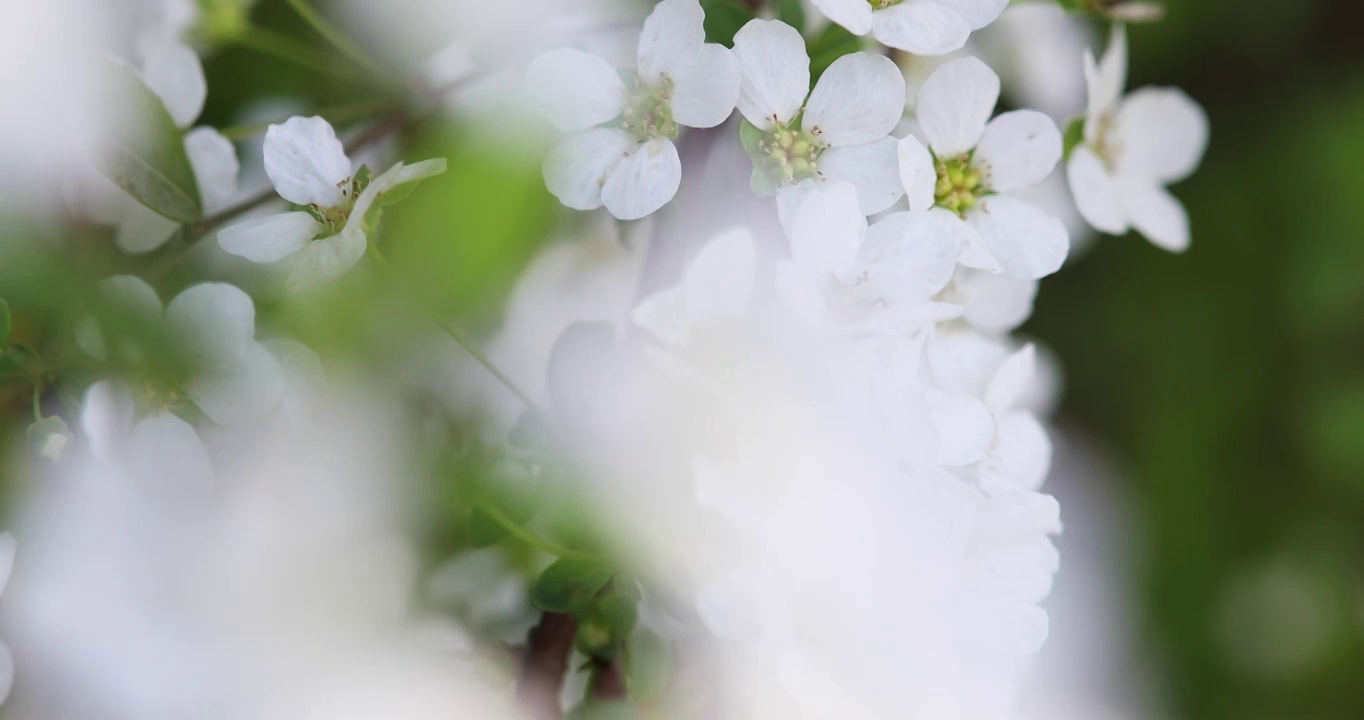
(922, 27)
(309, 168)
(971, 163)
(876, 278)
(841, 132)
(8, 547)
(1020, 453)
(233, 378)
(620, 153)
(716, 291)
(1133, 147)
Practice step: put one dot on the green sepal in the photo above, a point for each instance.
(568, 581)
(1073, 136)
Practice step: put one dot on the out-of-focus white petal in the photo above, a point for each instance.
(575, 90)
(917, 174)
(1028, 242)
(172, 70)
(854, 15)
(922, 28)
(859, 99)
(577, 168)
(1162, 133)
(644, 181)
(9, 547)
(243, 392)
(665, 315)
(1154, 212)
(6, 672)
(305, 161)
(1017, 150)
(801, 291)
(215, 167)
(965, 429)
(142, 230)
(216, 322)
(303, 375)
(1022, 451)
(1011, 379)
(954, 104)
(828, 230)
(106, 417)
(271, 238)
(671, 40)
(912, 255)
(1095, 195)
(992, 302)
(325, 260)
(705, 95)
(776, 71)
(977, 13)
(167, 456)
(873, 168)
(718, 285)
(1109, 75)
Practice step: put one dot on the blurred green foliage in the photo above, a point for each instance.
(1229, 381)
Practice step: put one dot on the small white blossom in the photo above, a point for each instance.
(972, 163)
(1133, 147)
(841, 132)
(922, 27)
(620, 152)
(327, 237)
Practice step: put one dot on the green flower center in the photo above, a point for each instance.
(959, 185)
(336, 216)
(650, 113)
(883, 4)
(1106, 143)
(790, 154)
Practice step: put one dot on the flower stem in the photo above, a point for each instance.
(334, 36)
(335, 115)
(286, 48)
(530, 538)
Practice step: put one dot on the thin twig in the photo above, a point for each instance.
(334, 36)
(544, 665)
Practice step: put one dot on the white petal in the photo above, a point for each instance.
(166, 457)
(6, 672)
(1028, 242)
(173, 71)
(1107, 78)
(243, 392)
(1162, 133)
(1095, 195)
(665, 315)
(775, 69)
(323, 261)
(142, 229)
(859, 99)
(912, 255)
(215, 321)
(800, 291)
(9, 547)
(305, 161)
(399, 174)
(574, 90)
(954, 104)
(977, 13)
(718, 285)
(1155, 213)
(965, 429)
(706, 94)
(1022, 451)
(644, 181)
(1012, 379)
(854, 15)
(303, 375)
(576, 169)
(671, 40)
(828, 230)
(1018, 150)
(974, 254)
(789, 199)
(917, 173)
(271, 238)
(215, 167)
(873, 168)
(922, 28)
(994, 303)
(106, 417)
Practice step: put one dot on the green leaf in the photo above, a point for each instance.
(484, 530)
(147, 155)
(791, 12)
(568, 581)
(828, 46)
(723, 20)
(5, 323)
(1074, 135)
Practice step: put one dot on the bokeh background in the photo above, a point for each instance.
(1224, 387)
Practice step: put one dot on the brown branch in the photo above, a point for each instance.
(544, 666)
(608, 682)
